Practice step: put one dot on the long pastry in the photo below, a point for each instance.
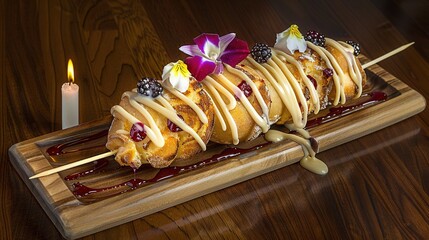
(227, 94)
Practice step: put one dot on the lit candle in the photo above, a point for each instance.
(70, 99)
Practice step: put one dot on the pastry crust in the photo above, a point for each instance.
(178, 145)
(350, 87)
(290, 87)
(247, 127)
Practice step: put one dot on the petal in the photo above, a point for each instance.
(225, 40)
(182, 83)
(219, 68)
(281, 45)
(205, 39)
(294, 43)
(211, 51)
(280, 37)
(200, 67)
(192, 50)
(236, 51)
(166, 71)
(302, 46)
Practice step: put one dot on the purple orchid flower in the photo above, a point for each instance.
(211, 51)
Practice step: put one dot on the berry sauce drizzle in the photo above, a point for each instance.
(98, 165)
(60, 149)
(81, 190)
(336, 112)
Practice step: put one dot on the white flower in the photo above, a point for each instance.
(290, 40)
(177, 75)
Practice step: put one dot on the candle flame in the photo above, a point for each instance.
(70, 72)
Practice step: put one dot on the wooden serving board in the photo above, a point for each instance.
(78, 215)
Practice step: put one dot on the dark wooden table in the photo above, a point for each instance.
(377, 187)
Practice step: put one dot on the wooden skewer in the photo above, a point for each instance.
(72, 165)
(107, 154)
(389, 54)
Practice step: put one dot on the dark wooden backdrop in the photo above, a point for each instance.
(377, 186)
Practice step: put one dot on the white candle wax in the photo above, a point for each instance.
(70, 105)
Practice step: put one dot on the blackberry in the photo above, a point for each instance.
(328, 72)
(261, 52)
(149, 87)
(355, 46)
(316, 38)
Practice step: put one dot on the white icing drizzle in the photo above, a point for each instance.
(309, 160)
(255, 90)
(286, 77)
(280, 83)
(165, 102)
(347, 51)
(338, 74)
(223, 92)
(293, 82)
(149, 132)
(214, 88)
(313, 92)
(194, 106)
(260, 121)
(232, 103)
(217, 112)
(138, 102)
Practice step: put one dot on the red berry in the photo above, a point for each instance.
(172, 126)
(245, 88)
(137, 132)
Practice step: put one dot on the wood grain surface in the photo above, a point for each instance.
(377, 187)
(77, 216)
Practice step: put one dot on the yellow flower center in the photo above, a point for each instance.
(180, 68)
(295, 32)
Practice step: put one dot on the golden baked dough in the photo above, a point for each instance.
(178, 145)
(240, 103)
(246, 126)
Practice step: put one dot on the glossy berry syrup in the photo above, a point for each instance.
(81, 190)
(63, 147)
(98, 165)
(336, 112)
